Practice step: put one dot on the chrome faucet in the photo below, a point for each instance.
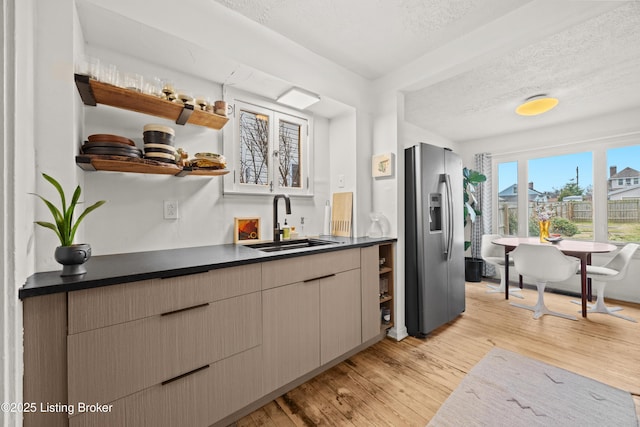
(276, 224)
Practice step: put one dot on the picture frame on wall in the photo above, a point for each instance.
(246, 229)
(382, 165)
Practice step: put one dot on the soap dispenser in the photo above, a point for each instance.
(286, 231)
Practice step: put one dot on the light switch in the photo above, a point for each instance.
(341, 181)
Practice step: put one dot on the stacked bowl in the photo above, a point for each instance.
(158, 143)
(110, 145)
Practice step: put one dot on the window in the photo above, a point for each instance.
(563, 186)
(508, 198)
(268, 147)
(623, 202)
(585, 191)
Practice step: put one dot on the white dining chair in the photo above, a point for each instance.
(543, 264)
(613, 271)
(494, 255)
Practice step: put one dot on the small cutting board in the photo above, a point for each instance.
(341, 213)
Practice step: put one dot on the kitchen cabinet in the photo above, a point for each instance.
(291, 332)
(145, 336)
(312, 321)
(340, 314)
(202, 348)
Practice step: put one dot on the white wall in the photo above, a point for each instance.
(132, 220)
(341, 166)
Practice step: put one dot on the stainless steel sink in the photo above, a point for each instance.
(289, 245)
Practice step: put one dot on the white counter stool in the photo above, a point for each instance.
(543, 264)
(614, 270)
(494, 255)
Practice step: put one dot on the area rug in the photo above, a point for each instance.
(508, 389)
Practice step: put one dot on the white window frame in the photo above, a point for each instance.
(598, 148)
(239, 100)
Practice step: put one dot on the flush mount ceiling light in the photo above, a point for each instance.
(536, 104)
(298, 98)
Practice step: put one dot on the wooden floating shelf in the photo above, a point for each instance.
(384, 270)
(94, 92)
(89, 162)
(385, 299)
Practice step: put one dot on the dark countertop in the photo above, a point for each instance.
(106, 270)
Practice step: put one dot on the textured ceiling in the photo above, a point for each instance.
(592, 67)
(371, 37)
(592, 64)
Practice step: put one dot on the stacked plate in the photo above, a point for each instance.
(158, 143)
(110, 145)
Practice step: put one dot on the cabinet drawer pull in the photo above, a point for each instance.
(185, 309)
(186, 374)
(319, 278)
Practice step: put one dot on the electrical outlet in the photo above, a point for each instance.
(170, 209)
(340, 181)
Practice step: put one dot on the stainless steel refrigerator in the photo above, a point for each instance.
(434, 238)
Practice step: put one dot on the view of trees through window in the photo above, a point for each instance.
(562, 187)
(559, 187)
(289, 154)
(254, 148)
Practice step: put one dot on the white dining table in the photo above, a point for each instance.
(580, 249)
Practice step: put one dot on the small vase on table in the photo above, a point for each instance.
(544, 230)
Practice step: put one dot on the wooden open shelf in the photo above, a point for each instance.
(94, 92)
(385, 299)
(90, 162)
(385, 250)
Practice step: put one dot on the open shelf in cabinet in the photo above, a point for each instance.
(94, 92)
(135, 165)
(385, 251)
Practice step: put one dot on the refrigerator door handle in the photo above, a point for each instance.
(450, 225)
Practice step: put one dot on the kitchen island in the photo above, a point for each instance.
(195, 336)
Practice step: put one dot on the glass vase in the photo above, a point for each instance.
(544, 230)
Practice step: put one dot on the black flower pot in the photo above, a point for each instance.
(473, 269)
(73, 258)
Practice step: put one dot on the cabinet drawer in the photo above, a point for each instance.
(110, 305)
(299, 269)
(108, 363)
(183, 402)
(233, 383)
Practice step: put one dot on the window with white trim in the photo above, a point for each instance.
(268, 148)
(591, 194)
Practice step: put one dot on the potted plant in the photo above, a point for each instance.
(71, 256)
(474, 264)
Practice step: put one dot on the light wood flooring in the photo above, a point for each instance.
(404, 383)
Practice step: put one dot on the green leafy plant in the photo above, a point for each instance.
(64, 226)
(470, 180)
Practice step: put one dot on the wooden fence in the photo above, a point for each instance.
(617, 210)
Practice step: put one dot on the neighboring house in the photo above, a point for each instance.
(632, 192)
(510, 194)
(626, 178)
